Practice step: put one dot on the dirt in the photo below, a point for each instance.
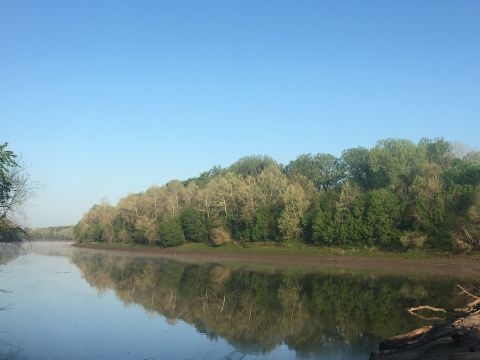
(454, 266)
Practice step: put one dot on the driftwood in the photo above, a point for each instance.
(470, 306)
(413, 311)
(459, 340)
(401, 341)
(442, 343)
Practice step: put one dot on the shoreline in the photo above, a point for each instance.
(459, 266)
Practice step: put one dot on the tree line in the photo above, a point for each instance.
(51, 233)
(396, 195)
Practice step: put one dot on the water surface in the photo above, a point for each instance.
(81, 304)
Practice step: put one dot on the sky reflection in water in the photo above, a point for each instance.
(87, 305)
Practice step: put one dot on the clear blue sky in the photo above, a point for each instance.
(103, 98)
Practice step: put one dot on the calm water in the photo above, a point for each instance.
(72, 304)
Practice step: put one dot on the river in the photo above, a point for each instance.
(68, 303)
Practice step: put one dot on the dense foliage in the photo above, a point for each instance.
(396, 195)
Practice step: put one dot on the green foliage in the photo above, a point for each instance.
(7, 163)
(323, 220)
(383, 217)
(397, 195)
(395, 163)
(204, 178)
(194, 225)
(357, 167)
(464, 173)
(325, 171)
(170, 230)
(350, 217)
(438, 151)
(251, 165)
(265, 224)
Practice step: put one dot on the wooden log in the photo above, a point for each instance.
(402, 341)
(412, 349)
(459, 340)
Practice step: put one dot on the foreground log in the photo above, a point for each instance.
(401, 341)
(458, 340)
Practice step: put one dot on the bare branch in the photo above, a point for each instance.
(464, 291)
(413, 311)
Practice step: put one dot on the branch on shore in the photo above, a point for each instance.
(413, 311)
(460, 339)
(464, 291)
(470, 306)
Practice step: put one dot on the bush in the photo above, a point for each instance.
(219, 236)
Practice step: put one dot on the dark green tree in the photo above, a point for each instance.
(356, 162)
(170, 230)
(251, 165)
(194, 225)
(325, 171)
(383, 218)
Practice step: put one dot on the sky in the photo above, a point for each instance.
(106, 98)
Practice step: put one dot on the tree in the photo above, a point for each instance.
(467, 229)
(395, 193)
(265, 224)
(473, 156)
(193, 225)
(350, 216)
(149, 228)
(295, 204)
(251, 165)
(323, 170)
(323, 219)
(396, 162)
(219, 235)
(356, 162)
(428, 208)
(97, 225)
(384, 213)
(171, 233)
(15, 190)
(438, 151)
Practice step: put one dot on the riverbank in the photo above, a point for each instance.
(312, 258)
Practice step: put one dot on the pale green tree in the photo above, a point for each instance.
(295, 204)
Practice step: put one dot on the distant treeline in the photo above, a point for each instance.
(51, 233)
(396, 195)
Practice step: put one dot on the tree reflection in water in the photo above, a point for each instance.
(256, 311)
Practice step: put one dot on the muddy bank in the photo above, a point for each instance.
(454, 266)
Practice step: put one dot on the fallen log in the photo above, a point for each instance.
(458, 340)
(440, 342)
(401, 341)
